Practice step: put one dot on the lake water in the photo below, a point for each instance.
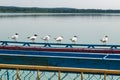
(89, 28)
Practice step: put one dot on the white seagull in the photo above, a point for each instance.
(74, 39)
(46, 38)
(59, 39)
(15, 37)
(104, 39)
(33, 38)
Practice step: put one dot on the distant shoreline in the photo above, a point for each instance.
(56, 14)
(11, 9)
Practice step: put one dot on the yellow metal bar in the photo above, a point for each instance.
(17, 75)
(50, 68)
(38, 75)
(81, 75)
(58, 75)
(104, 76)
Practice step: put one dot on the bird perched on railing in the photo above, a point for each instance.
(59, 39)
(15, 36)
(74, 39)
(104, 39)
(33, 38)
(46, 38)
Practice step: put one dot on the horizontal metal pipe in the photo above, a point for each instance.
(51, 68)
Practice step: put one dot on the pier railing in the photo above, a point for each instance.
(5, 43)
(27, 72)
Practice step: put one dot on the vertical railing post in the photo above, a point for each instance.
(59, 75)
(81, 75)
(104, 76)
(38, 75)
(17, 75)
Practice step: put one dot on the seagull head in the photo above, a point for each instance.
(75, 36)
(106, 36)
(35, 35)
(16, 34)
(62, 36)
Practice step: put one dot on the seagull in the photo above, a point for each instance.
(15, 36)
(46, 38)
(74, 39)
(33, 38)
(104, 39)
(59, 39)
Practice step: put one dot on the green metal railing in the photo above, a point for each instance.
(27, 72)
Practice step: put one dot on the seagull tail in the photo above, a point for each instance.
(101, 40)
(71, 39)
(28, 37)
(41, 38)
(55, 38)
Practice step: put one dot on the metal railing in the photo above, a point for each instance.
(4, 43)
(27, 72)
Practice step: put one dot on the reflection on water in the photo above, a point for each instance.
(88, 27)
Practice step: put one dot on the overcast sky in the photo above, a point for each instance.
(80, 4)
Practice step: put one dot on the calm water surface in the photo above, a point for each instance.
(89, 28)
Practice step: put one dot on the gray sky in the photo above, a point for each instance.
(80, 4)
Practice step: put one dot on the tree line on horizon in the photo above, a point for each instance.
(10, 9)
